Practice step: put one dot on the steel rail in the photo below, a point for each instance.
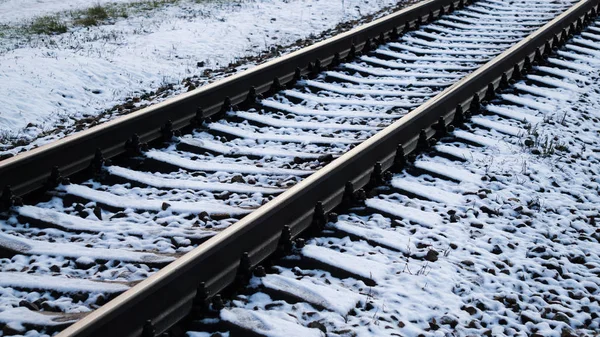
(29, 171)
(167, 295)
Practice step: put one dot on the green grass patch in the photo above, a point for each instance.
(151, 5)
(48, 25)
(91, 16)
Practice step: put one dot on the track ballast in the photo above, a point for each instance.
(490, 232)
(90, 241)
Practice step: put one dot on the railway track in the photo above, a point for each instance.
(491, 231)
(265, 161)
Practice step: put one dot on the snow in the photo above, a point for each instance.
(35, 247)
(75, 223)
(207, 166)
(323, 100)
(483, 141)
(562, 73)
(396, 73)
(24, 315)
(427, 255)
(529, 102)
(348, 91)
(507, 129)
(399, 65)
(283, 123)
(296, 138)
(385, 238)
(410, 213)
(330, 297)
(581, 50)
(14, 11)
(63, 284)
(220, 147)
(519, 255)
(441, 51)
(556, 93)
(494, 45)
(384, 80)
(510, 112)
(58, 80)
(429, 192)
(367, 269)
(555, 82)
(272, 325)
(153, 180)
(443, 169)
(299, 110)
(423, 55)
(206, 334)
(571, 65)
(122, 202)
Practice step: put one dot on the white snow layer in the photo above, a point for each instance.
(331, 297)
(268, 325)
(57, 283)
(54, 80)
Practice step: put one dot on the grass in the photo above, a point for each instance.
(92, 16)
(153, 4)
(48, 25)
(542, 144)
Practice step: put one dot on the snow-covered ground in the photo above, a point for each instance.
(49, 82)
(494, 233)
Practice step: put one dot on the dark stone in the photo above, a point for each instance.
(317, 325)
(118, 215)
(48, 307)
(470, 310)
(580, 259)
(7, 330)
(560, 317)
(326, 157)
(431, 255)
(29, 305)
(80, 297)
(447, 320)
(566, 332)
(433, 324)
(539, 249)
(270, 306)
(100, 300)
(223, 195)
(468, 263)
(525, 318)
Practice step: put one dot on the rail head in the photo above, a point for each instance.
(171, 291)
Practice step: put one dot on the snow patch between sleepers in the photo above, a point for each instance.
(268, 324)
(330, 297)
